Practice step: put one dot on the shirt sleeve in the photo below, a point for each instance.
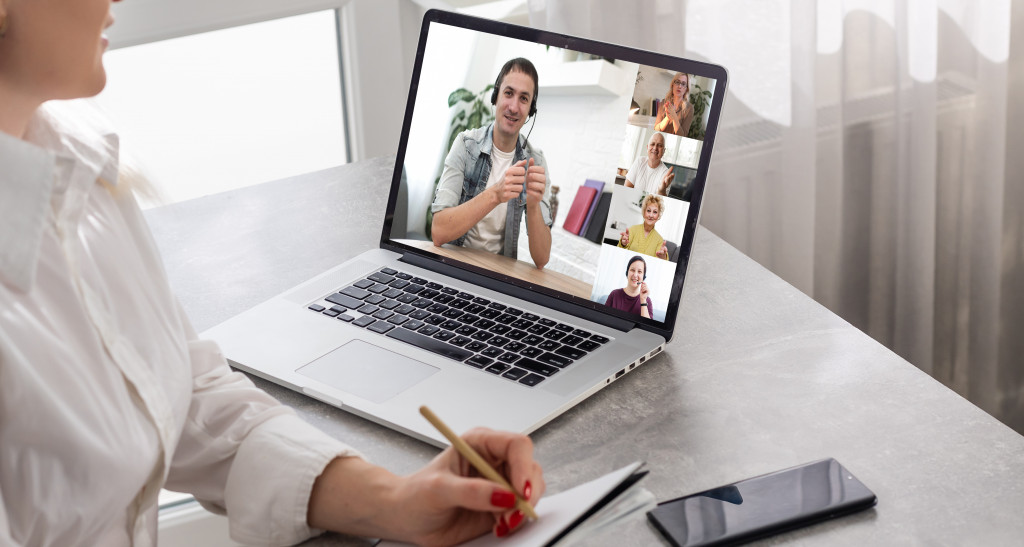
(449, 187)
(244, 454)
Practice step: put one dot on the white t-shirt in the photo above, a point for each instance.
(645, 178)
(489, 233)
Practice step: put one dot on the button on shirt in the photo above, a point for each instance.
(106, 393)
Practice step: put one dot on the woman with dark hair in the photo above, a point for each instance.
(635, 297)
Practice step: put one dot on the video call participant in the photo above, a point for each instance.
(643, 238)
(635, 297)
(493, 177)
(676, 113)
(650, 174)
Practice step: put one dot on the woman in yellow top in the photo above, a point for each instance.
(676, 113)
(643, 238)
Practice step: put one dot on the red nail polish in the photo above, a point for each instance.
(527, 490)
(502, 529)
(515, 519)
(503, 498)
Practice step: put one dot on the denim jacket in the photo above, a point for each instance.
(466, 170)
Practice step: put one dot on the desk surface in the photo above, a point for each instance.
(758, 377)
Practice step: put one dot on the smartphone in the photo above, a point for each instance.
(762, 506)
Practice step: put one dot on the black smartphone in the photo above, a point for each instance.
(762, 506)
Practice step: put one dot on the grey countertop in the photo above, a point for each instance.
(758, 377)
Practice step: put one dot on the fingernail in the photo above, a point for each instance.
(527, 490)
(515, 519)
(502, 529)
(503, 498)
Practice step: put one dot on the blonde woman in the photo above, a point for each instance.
(676, 113)
(643, 238)
(106, 392)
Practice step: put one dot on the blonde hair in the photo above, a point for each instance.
(686, 94)
(655, 199)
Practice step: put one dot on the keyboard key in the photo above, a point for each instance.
(515, 334)
(392, 293)
(429, 293)
(403, 275)
(538, 329)
(499, 329)
(563, 327)
(434, 320)
(531, 379)
(514, 311)
(389, 271)
(581, 333)
(498, 341)
(452, 313)
(413, 324)
(534, 366)
(571, 352)
(434, 286)
(469, 318)
(475, 346)
(380, 327)
(459, 341)
(381, 277)
(374, 299)
(339, 309)
(449, 291)
(554, 335)
(552, 359)
(479, 361)
(419, 314)
(521, 324)
(465, 330)
(389, 304)
(331, 313)
(405, 309)
(465, 296)
(429, 330)
(571, 340)
(429, 344)
(546, 322)
(484, 324)
(497, 306)
(368, 309)
(364, 283)
(316, 307)
(490, 313)
(450, 324)
(355, 292)
(514, 373)
(345, 317)
(459, 303)
(383, 314)
(406, 298)
(588, 345)
(437, 308)
(422, 303)
(344, 300)
(549, 345)
(505, 319)
(532, 340)
(397, 319)
(508, 357)
(515, 346)
(474, 308)
(444, 335)
(498, 368)
(399, 284)
(599, 339)
(378, 288)
(444, 298)
(482, 336)
(532, 352)
(481, 301)
(413, 289)
(492, 352)
(530, 317)
(364, 321)
(419, 281)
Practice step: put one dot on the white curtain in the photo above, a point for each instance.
(871, 154)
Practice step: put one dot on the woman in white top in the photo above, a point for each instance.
(107, 394)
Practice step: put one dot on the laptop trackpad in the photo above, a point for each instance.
(367, 371)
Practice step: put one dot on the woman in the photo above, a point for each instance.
(635, 297)
(676, 113)
(643, 238)
(107, 395)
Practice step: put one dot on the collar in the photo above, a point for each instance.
(45, 177)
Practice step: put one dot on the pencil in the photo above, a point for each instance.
(476, 460)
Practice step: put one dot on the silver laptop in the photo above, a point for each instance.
(535, 241)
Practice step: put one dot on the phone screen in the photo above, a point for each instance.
(763, 505)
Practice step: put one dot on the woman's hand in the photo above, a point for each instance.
(624, 238)
(445, 503)
(663, 251)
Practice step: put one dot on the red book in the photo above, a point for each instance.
(579, 209)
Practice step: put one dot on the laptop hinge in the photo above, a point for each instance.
(441, 266)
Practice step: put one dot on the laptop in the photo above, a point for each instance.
(461, 318)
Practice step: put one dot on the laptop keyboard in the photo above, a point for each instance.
(517, 345)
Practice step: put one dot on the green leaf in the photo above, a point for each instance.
(459, 95)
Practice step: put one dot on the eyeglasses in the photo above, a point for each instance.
(678, 82)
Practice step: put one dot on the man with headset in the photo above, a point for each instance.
(492, 177)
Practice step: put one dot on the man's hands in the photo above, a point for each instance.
(524, 172)
(666, 181)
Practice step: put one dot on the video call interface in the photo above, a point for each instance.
(566, 170)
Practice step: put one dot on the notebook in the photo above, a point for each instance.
(474, 303)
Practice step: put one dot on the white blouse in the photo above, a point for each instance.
(106, 393)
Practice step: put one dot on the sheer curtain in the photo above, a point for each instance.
(871, 155)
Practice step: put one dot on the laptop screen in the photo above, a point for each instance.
(568, 167)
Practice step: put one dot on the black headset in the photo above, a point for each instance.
(634, 259)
